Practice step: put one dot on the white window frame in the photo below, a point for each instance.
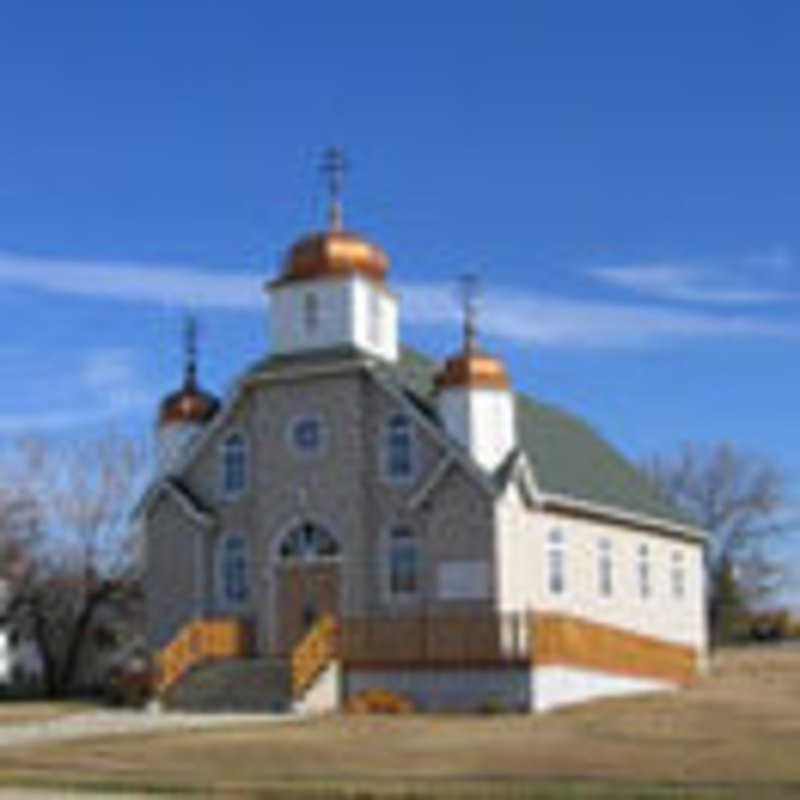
(374, 317)
(224, 600)
(402, 597)
(230, 494)
(322, 441)
(605, 567)
(556, 554)
(305, 558)
(389, 477)
(644, 576)
(678, 574)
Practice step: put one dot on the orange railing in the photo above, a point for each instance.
(199, 641)
(314, 652)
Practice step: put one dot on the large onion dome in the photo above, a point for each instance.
(334, 253)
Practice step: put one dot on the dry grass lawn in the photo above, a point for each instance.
(735, 734)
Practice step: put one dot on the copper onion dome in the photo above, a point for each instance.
(471, 368)
(334, 253)
(190, 404)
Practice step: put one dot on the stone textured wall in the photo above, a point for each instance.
(174, 544)
(343, 488)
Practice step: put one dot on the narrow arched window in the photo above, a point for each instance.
(233, 464)
(374, 320)
(678, 575)
(403, 561)
(604, 568)
(643, 569)
(234, 569)
(310, 312)
(398, 447)
(556, 562)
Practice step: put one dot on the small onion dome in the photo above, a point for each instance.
(473, 370)
(188, 405)
(334, 253)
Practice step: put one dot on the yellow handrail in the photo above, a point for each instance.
(313, 653)
(198, 641)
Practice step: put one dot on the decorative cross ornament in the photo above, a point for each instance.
(333, 167)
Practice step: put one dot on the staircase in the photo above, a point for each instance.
(243, 684)
(209, 666)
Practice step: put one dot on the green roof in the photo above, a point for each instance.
(567, 456)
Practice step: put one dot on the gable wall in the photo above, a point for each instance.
(343, 488)
(174, 545)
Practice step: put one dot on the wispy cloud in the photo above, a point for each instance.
(516, 315)
(167, 285)
(530, 318)
(690, 284)
(109, 385)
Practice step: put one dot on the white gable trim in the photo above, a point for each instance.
(441, 469)
(166, 486)
(523, 475)
(632, 518)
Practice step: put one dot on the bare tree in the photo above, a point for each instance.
(737, 497)
(81, 556)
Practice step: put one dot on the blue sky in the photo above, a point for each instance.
(622, 176)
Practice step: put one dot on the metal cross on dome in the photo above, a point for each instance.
(470, 289)
(333, 167)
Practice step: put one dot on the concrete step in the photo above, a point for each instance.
(251, 684)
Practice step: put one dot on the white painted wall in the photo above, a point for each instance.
(553, 687)
(482, 420)
(345, 305)
(5, 658)
(324, 694)
(522, 577)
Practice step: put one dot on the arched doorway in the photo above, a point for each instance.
(308, 577)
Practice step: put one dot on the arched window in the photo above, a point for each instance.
(403, 561)
(310, 312)
(678, 575)
(374, 320)
(604, 568)
(308, 541)
(556, 562)
(233, 464)
(399, 465)
(233, 569)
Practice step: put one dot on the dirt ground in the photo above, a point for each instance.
(13, 712)
(734, 734)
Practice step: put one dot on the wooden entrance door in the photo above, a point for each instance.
(306, 592)
(308, 579)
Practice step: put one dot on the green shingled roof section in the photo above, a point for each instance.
(568, 457)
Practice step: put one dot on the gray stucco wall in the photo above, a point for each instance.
(172, 596)
(343, 487)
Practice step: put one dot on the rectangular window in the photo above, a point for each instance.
(403, 566)
(645, 588)
(556, 563)
(604, 568)
(678, 576)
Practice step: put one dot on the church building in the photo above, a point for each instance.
(355, 521)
